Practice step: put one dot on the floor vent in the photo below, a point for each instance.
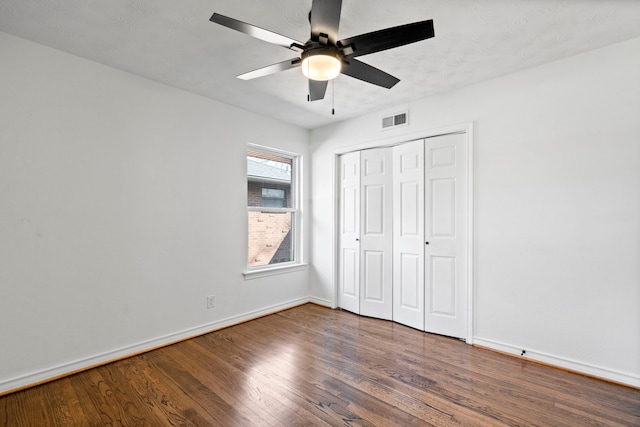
(395, 120)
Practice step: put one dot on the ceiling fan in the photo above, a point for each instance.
(323, 57)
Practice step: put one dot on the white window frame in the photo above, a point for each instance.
(296, 223)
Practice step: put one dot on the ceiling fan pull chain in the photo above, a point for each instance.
(333, 97)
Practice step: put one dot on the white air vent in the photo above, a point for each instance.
(396, 120)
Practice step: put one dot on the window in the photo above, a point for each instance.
(272, 208)
(273, 198)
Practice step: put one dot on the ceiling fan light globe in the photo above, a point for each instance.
(321, 67)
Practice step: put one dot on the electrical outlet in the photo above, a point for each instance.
(211, 301)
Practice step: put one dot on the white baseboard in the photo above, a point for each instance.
(51, 373)
(561, 362)
(321, 301)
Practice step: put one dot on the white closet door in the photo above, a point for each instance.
(349, 262)
(408, 234)
(446, 211)
(376, 233)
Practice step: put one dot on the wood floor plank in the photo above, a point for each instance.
(150, 386)
(383, 383)
(239, 389)
(274, 372)
(102, 398)
(206, 402)
(314, 366)
(64, 403)
(26, 406)
(339, 366)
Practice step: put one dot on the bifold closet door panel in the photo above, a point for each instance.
(349, 246)
(376, 233)
(408, 234)
(446, 218)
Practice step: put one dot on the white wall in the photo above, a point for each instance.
(557, 207)
(122, 206)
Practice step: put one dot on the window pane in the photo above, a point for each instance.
(273, 198)
(271, 173)
(270, 240)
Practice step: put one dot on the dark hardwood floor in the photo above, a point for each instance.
(312, 366)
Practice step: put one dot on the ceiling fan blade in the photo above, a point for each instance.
(257, 32)
(388, 38)
(325, 19)
(271, 69)
(317, 89)
(365, 72)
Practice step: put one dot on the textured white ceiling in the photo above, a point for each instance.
(173, 42)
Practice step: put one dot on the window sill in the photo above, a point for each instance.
(273, 271)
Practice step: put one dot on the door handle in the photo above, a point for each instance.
(357, 240)
(426, 243)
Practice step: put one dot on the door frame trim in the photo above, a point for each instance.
(468, 129)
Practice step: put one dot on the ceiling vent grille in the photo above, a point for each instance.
(395, 120)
